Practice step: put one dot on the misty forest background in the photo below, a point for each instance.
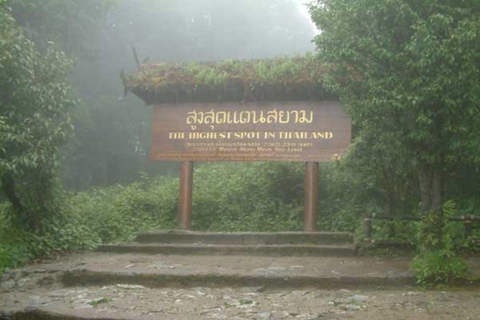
(105, 189)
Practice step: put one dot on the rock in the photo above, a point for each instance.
(350, 307)
(251, 294)
(130, 286)
(17, 275)
(344, 291)
(304, 316)
(275, 268)
(38, 271)
(246, 302)
(7, 284)
(200, 293)
(359, 298)
(280, 314)
(212, 311)
(46, 281)
(322, 316)
(23, 282)
(261, 271)
(261, 289)
(263, 315)
(232, 303)
(59, 293)
(6, 276)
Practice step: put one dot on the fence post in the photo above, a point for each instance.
(368, 229)
(467, 223)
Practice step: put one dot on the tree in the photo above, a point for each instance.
(112, 133)
(73, 25)
(410, 70)
(35, 99)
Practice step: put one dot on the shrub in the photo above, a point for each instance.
(438, 267)
(437, 262)
(257, 197)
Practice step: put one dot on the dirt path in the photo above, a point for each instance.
(130, 302)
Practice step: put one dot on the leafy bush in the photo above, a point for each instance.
(438, 267)
(437, 262)
(248, 197)
(226, 197)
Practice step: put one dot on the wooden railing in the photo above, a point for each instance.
(467, 223)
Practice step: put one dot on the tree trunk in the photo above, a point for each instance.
(29, 221)
(8, 188)
(425, 178)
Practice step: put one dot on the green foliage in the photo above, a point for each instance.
(408, 73)
(117, 213)
(13, 250)
(434, 267)
(226, 197)
(253, 197)
(437, 261)
(34, 121)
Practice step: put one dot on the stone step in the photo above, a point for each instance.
(100, 269)
(246, 238)
(214, 280)
(249, 250)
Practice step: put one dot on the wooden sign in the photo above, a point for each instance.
(309, 131)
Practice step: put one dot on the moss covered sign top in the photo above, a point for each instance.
(261, 110)
(267, 131)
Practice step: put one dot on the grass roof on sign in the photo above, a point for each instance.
(296, 78)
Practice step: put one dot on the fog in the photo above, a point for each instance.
(112, 131)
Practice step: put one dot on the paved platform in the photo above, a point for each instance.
(136, 286)
(190, 275)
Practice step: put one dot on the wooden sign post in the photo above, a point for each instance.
(185, 198)
(307, 131)
(311, 196)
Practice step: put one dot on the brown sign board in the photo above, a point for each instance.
(308, 131)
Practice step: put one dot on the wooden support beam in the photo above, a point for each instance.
(311, 176)
(185, 198)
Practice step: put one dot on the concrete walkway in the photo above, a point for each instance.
(229, 276)
(136, 286)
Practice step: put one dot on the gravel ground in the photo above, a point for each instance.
(37, 287)
(136, 302)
